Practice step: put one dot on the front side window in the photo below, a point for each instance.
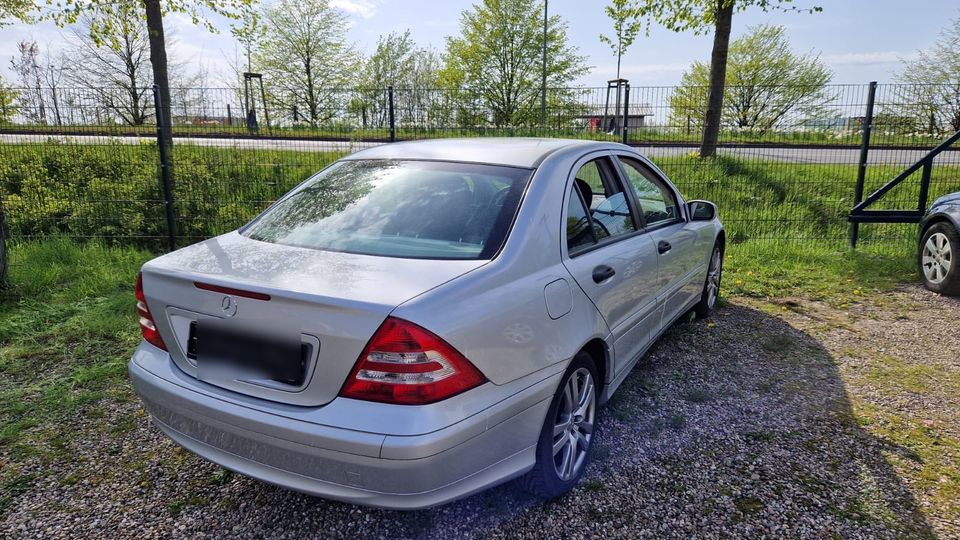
(657, 201)
(411, 209)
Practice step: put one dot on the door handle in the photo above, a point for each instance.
(663, 247)
(603, 273)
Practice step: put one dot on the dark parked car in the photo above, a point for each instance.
(940, 246)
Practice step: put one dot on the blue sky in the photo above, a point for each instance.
(861, 40)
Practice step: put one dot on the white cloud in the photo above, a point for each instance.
(362, 8)
(867, 58)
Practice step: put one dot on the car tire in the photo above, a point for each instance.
(938, 259)
(711, 286)
(565, 429)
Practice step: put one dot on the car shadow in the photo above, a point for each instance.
(740, 426)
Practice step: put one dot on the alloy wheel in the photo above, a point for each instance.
(573, 425)
(937, 258)
(713, 278)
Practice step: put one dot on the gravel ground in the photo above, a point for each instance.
(743, 426)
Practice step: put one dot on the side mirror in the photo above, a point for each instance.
(701, 210)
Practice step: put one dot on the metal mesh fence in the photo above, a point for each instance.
(84, 162)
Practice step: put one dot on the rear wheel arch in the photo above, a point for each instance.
(602, 359)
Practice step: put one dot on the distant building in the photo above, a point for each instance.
(601, 118)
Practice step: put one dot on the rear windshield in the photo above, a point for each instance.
(410, 209)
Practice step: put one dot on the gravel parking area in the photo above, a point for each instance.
(777, 418)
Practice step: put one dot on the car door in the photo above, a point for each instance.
(608, 255)
(664, 216)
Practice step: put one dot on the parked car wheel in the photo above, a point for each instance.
(937, 260)
(711, 288)
(566, 439)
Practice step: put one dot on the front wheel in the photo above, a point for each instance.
(566, 438)
(939, 268)
(711, 287)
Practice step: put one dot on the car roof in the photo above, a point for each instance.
(512, 151)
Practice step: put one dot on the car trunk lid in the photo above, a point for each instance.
(336, 301)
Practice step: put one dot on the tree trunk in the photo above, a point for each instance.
(718, 76)
(158, 59)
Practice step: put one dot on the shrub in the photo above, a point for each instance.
(113, 190)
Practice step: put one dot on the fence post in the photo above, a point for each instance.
(925, 185)
(4, 282)
(393, 127)
(626, 111)
(165, 180)
(862, 164)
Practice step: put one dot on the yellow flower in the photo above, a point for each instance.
(856, 291)
(710, 325)
(738, 282)
(750, 273)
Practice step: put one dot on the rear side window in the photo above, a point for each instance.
(579, 232)
(598, 208)
(410, 209)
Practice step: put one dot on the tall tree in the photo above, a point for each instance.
(115, 70)
(496, 59)
(398, 62)
(8, 101)
(68, 12)
(930, 91)
(765, 82)
(700, 17)
(626, 26)
(30, 74)
(249, 32)
(15, 9)
(306, 58)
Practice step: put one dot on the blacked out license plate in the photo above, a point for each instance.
(229, 350)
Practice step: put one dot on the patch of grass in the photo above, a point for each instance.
(777, 344)
(765, 387)
(221, 477)
(698, 395)
(897, 375)
(758, 436)
(67, 328)
(594, 484)
(929, 456)
(12, 485)
(816, 270)
(622, 407)
(600, 452)
(177, 507)
(676, 421)
(748, 505)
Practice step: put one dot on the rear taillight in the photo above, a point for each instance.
(409, 365)
(148, 326)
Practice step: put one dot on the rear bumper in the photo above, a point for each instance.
(271, 443)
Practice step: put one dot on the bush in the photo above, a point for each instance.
(113, 190)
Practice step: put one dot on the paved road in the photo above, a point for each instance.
(790, 155)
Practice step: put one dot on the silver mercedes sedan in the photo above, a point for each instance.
(420, 321)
